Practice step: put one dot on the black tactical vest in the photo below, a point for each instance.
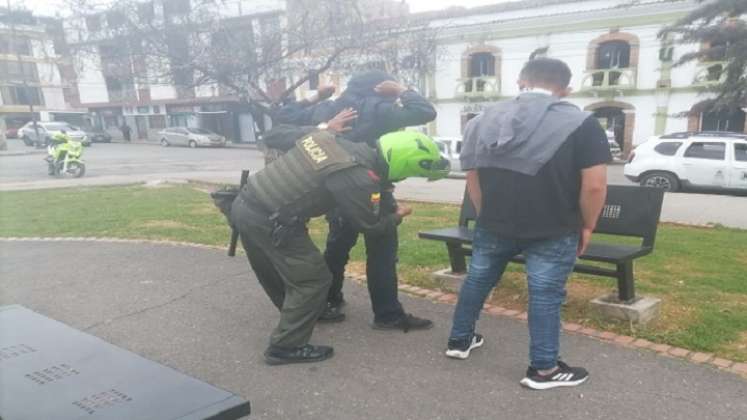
(292, 185)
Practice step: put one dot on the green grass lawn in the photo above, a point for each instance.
(698, 272)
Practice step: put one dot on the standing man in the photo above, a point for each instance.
(382, 106)
(538, 179)
(125, 131)
(318, 174)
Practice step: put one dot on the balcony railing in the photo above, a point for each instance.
(710, 73)
(483, 87)
(609, 79)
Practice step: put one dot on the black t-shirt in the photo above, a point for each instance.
(520, 206)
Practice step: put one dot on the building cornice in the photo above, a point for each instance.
(563, 23)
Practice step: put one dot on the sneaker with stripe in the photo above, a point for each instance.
(460, 349)
(564, 375)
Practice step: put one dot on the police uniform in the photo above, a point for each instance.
(320, 173)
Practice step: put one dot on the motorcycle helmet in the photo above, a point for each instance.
(60, 137)
(410, 153)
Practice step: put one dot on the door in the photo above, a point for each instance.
(738, 175)
(142, 127)
(704, 164)
(182, 136)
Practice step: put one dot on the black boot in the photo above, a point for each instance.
(405, 323)
(332, 313)
(304, 354)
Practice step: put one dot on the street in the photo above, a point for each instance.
(120, 164)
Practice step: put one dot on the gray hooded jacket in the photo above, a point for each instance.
(520, 134)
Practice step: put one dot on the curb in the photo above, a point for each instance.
(435, 296)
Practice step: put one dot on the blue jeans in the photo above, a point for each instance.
(548, 264)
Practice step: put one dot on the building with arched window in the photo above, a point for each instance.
(622, 70)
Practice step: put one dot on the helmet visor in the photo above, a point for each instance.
(436, 169)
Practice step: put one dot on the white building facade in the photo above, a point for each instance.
(622, 70)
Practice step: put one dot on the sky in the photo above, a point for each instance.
(51, 7)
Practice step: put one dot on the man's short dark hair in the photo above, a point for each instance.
(546, 71)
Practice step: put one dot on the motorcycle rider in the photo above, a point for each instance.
(57, 152)
(319, 173)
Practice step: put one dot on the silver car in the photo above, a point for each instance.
(191, 137)
(48, 129)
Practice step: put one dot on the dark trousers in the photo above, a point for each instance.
(294, 275)
(381, 266)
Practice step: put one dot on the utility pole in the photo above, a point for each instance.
(37, 140)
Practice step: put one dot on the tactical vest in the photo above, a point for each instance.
(292, 185)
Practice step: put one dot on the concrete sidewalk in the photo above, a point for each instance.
(203, 313)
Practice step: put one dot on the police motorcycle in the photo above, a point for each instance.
(64, 157)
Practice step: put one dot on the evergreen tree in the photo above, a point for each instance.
(719, 27)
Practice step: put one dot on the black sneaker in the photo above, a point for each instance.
(564, 375)
(405, 323)
(304, 354)
(460, 349)
(332, 313)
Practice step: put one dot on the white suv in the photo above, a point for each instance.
(708, 160)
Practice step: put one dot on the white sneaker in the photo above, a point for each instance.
(460, 349)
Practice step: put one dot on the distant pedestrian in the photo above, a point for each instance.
(537, 177)
(126, 132)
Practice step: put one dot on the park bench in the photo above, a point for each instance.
(628, 211)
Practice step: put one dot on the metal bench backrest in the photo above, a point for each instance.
(628, 211)
(467, 213)
(631, 211)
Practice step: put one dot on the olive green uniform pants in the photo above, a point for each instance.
(294, 276)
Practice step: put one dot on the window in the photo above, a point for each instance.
(93, 23)
(740, 152)
(613, 55)
(703, 150)
(18, 45)
(733, 121)
(156, 109)
(668, 148)
(157, 121)
(481, 64)
(15, 70)
(666, 54)
(198, 130)
(22, 95)
(714, 73)
(142, 110)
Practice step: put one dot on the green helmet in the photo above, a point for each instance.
(60, 137)
(410, 153)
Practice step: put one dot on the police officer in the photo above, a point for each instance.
(320, 173)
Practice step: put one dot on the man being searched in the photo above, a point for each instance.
(372, 105)
(537, 176)
(318, 174)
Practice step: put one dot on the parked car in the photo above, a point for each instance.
(189, 136)
(704, 160)
(98, 135)
(47, 129)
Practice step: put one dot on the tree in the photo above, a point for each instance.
(718, 26)
(260, 58)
